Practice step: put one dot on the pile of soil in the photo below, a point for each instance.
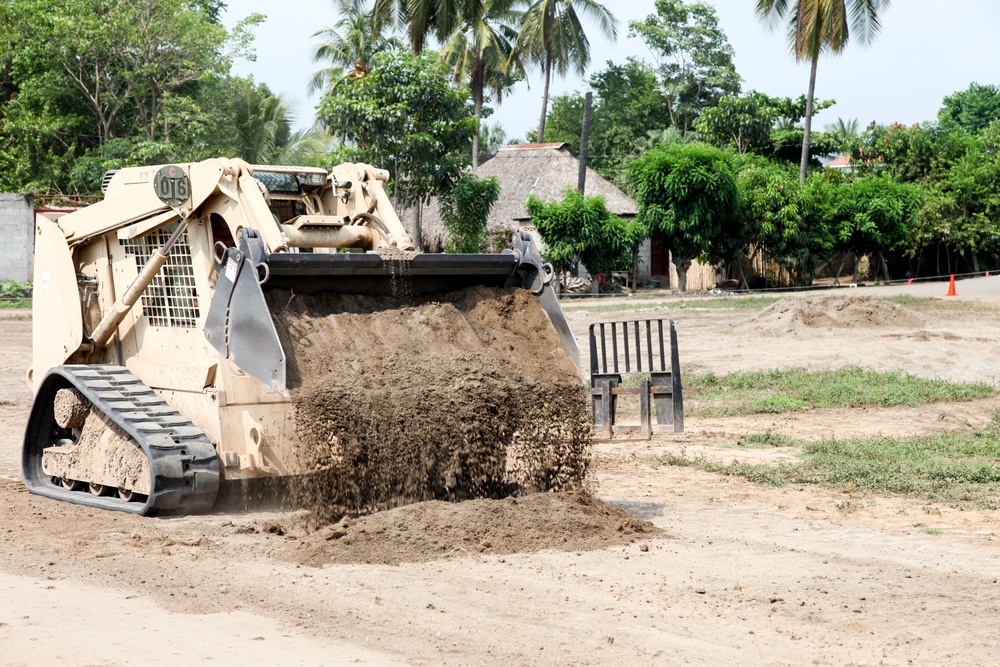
(845, 312)
(435, 530)
(402, 399)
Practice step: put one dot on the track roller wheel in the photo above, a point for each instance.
(101, 490)
(128, 495)
(71, 484)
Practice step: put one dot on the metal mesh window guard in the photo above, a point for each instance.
(171, 300)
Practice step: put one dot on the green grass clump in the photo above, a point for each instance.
(768, 438)
(960, 469)
(777, 391)
(941, 306)
(14, 294)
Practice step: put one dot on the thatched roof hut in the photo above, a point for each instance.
(543, 170)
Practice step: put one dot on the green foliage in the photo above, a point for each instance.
(465, 209)
(552, 36)
(876, 213)
(627, 104)
(405, 116)
(347, 48)
(93, 83)
(764, 125)
(743, 122)
(971, 109)
(14, 294)
(687, 197)
(693, 56)
(754, 392)
(964, 205)
(578, 227)
(778, 217)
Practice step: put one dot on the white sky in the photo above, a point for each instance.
(925, 52)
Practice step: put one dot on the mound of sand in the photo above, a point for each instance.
(846, 312)
(401, 399)
(435, 530)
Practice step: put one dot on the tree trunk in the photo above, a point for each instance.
(975, 261)
(857, 267)
(682, 264)
(477, 109)
(581, 180)
(885, 267)
(840, 269)
(418, 224)
(545, 100)
(804, 164)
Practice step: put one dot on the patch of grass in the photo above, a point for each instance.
(777, 391)
(714, 303)
(940, 306)
(14, 294)
(959, 469)
(768, 438)
(933, 531)
(15, 303)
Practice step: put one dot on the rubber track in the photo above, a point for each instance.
(182, 460)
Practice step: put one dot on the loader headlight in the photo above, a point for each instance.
(316, 179)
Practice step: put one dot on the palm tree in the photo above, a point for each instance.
(844, 129)
(816, 26)
(481, 51)
(418, 18)
(263, 125)
(491, 137)
(348, 47)
(553, 37)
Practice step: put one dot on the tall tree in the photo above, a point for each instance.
(693, 57)
(553, 37)
(973, 108)
(407, 117)
(687, 196)
(418, 19)
(482, 52)
(817, 26)
(348, 47)
(628, 104)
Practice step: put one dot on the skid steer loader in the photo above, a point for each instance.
(152, 338)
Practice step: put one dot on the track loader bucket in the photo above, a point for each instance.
(239, 325)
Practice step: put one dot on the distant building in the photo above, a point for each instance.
(841, 163)
(546, 171)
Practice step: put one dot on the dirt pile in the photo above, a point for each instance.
(846, 312)
(435, 530)
(405, 399)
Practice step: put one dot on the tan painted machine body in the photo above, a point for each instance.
(160, 281)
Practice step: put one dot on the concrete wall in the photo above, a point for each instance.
(17, 236)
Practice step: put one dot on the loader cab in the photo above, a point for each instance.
(292, 191)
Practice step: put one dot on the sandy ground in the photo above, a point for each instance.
(740, 575)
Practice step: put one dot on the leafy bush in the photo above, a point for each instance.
(582, 227)
(466, 208)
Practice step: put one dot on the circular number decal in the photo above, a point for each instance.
(172, 185)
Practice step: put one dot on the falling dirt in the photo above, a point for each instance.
(435, 530)
(402, 399)
(793, 313)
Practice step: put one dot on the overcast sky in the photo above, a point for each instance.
(925, 51)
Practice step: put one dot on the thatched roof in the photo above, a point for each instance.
(543, 170)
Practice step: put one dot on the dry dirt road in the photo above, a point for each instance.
(740, 574)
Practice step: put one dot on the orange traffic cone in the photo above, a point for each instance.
(951, 287)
